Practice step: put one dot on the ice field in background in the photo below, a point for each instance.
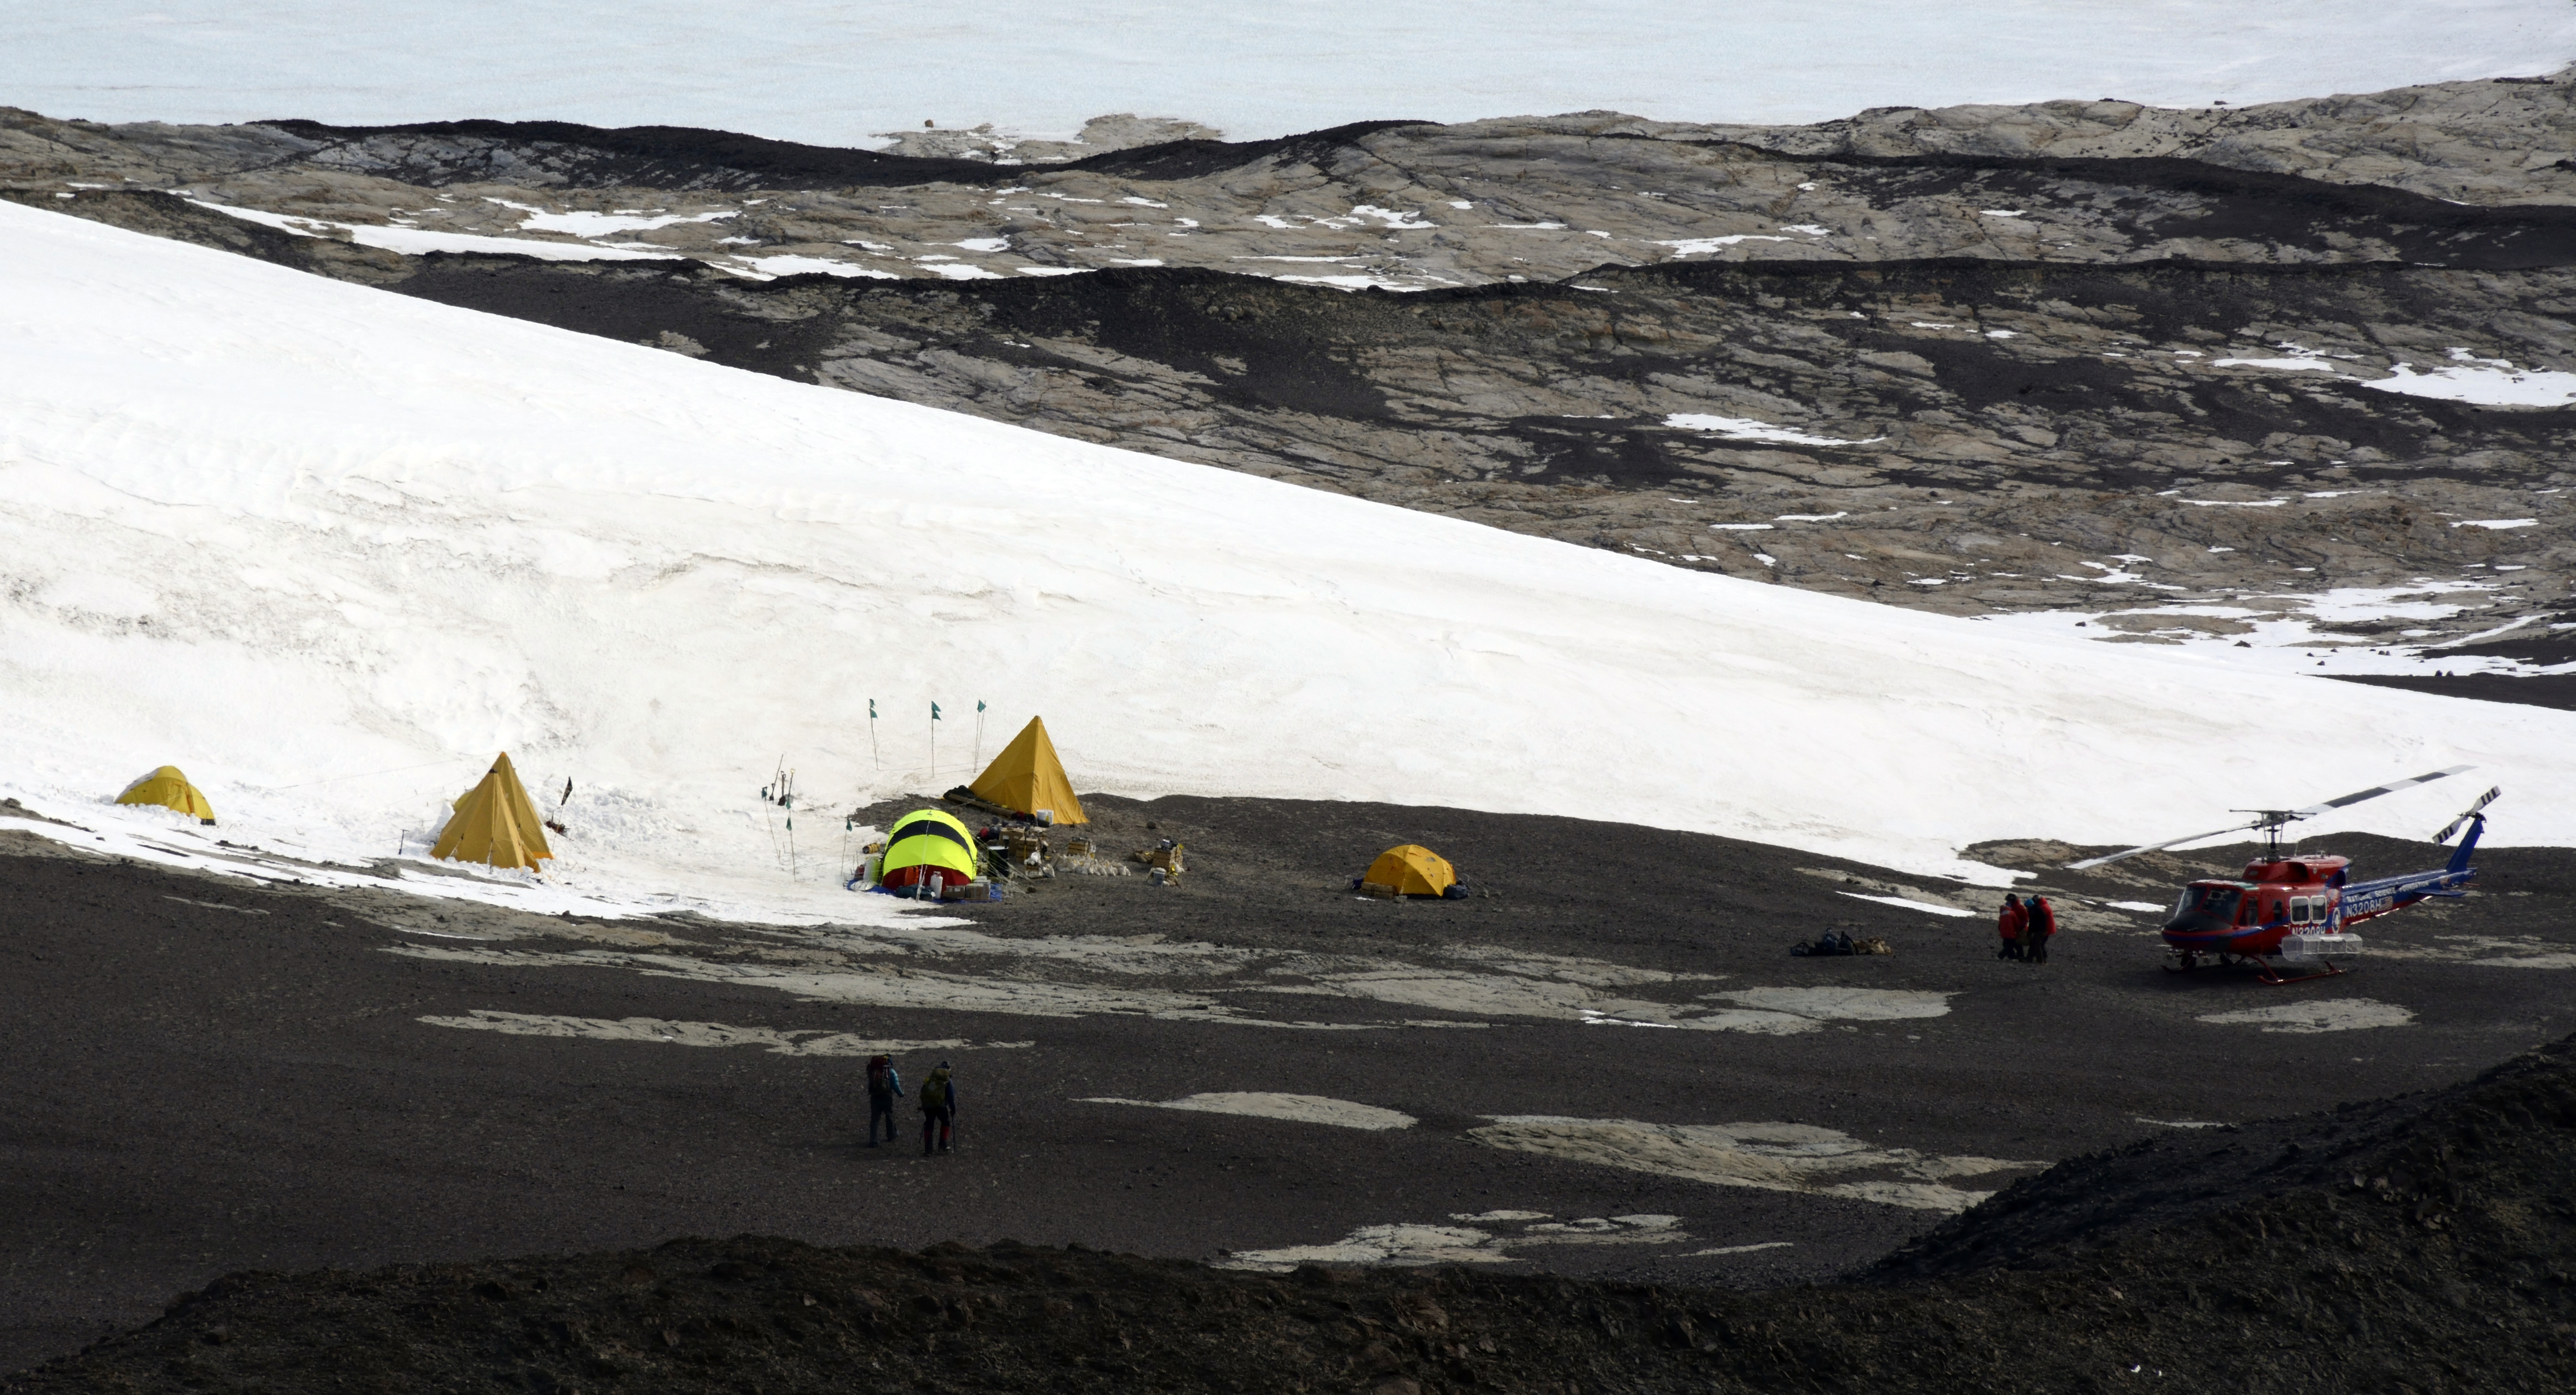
(838, 74)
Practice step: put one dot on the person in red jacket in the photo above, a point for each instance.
(2009, 923)
(2040, 926)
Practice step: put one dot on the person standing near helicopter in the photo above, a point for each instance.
(2009, 923)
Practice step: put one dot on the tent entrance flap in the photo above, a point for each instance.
(495, 822)
(169, 789)
(1027, 777)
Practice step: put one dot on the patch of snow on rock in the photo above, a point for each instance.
(1765, 1156)
(2330, 1015)
(1304, 1109)
(1746, 429)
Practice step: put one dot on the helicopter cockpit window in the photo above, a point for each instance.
(2206, 908)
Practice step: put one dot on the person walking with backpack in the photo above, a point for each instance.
(2042, 927)
(938, 1107)
(2009, 923)
(885, 1086)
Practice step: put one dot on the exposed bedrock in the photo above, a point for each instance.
(2198, 367)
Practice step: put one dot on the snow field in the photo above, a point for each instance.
(289, 533)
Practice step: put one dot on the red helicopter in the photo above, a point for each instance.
(2300, 909)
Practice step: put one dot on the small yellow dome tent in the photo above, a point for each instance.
(926, 841)
(1412, 871)
(495, 822)
(1027, 777)
(171, 790)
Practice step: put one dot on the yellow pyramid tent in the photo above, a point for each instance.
(171, 790)
(495, 822)
(1027, 777)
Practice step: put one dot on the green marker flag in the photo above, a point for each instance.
(979, 704)
(934, 711)
(872, 709)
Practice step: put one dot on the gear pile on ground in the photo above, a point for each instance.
(2410, 1244)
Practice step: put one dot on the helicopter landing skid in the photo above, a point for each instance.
(2185, 961)
(2265, 973)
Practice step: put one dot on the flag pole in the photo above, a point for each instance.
(934, 743)
(978, 763)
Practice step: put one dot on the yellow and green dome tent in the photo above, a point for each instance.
(926, 841)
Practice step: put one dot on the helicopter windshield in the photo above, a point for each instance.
(2205, 908)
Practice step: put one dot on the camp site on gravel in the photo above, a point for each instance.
(1541, 698)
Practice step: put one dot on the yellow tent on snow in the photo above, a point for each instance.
(1412, 871)
(1027, 777)
(495, 822)
(171, 790)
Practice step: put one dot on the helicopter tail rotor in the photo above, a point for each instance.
(2467, 814)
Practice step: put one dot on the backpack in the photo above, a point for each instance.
(934, 1091)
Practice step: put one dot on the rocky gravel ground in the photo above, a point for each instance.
(2416, 1244)
(1603, 1066)
(2085, 360)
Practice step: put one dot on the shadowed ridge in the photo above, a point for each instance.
(688, 157)
(2448, 1157)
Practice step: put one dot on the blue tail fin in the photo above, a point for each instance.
(2468, 844)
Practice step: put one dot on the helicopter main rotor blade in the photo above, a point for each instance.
(2159, 847)
(2376, 791)
(2467, 814)
(2267, 820)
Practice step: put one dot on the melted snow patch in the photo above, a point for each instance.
(1766, 1156)
(655, 1029)
(883, 966)
(421, 241)
(2279, 365)
(2488, 382)
(1258, 1104)
(2530, 961)
(1903, 903)
(581, 224)
(770, 268)
(1842, 1004)
(1687, 246)
(2333, 1015)
(1408, 1246)
(1746, 429)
